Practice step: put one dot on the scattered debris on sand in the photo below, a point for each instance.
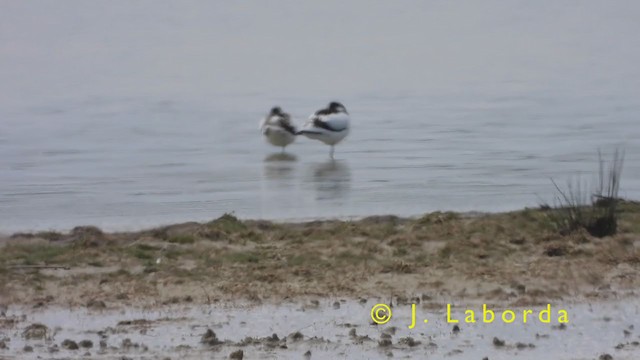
(35, 332)
(69, 345)
(210, 338)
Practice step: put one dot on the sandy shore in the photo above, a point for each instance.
(321, 279)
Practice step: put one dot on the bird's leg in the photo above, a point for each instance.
(282, 150)
(331, 152)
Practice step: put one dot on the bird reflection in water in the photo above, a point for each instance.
(332, 179)
(280, 157)
(279, 166)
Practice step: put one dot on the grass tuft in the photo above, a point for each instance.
(35, 254)
(243, 257)
(228, 223)
(50, 235)
(596, 212)
(182, 239)
(143, 251)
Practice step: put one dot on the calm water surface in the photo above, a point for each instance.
(133, 115)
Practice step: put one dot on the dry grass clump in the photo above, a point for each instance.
(596, 211)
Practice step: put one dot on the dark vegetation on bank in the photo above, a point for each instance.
(594, 210)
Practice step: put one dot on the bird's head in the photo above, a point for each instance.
(276, 110)
(335, 106)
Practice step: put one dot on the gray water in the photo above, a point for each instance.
(127, 115)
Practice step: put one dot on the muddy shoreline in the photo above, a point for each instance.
(158, 291)
(513, 258)
(319, 329)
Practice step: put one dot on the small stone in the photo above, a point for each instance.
(605, 357)
(384, 343)
(69, 345)
(35, 332)
(237, 355)
(27, 349)
(497, 342)
(296, 336)
(456, 329)
(210, 338)
(96, 304)
(87, 344)
(391, 330)
(127, 343)
(409, 341)
(336, 305)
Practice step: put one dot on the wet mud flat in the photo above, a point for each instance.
(320, 329)
(261, 289)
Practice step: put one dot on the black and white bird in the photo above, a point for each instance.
(329, 125)
(277, 128)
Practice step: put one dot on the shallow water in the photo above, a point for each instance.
(593, 329)
(133, 115)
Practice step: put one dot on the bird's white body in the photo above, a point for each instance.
(338, 122)
(274, 131)
(329, 125)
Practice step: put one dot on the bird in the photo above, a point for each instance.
(277, 128)
(329, 125)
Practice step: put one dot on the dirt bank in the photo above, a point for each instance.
(514, 258)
